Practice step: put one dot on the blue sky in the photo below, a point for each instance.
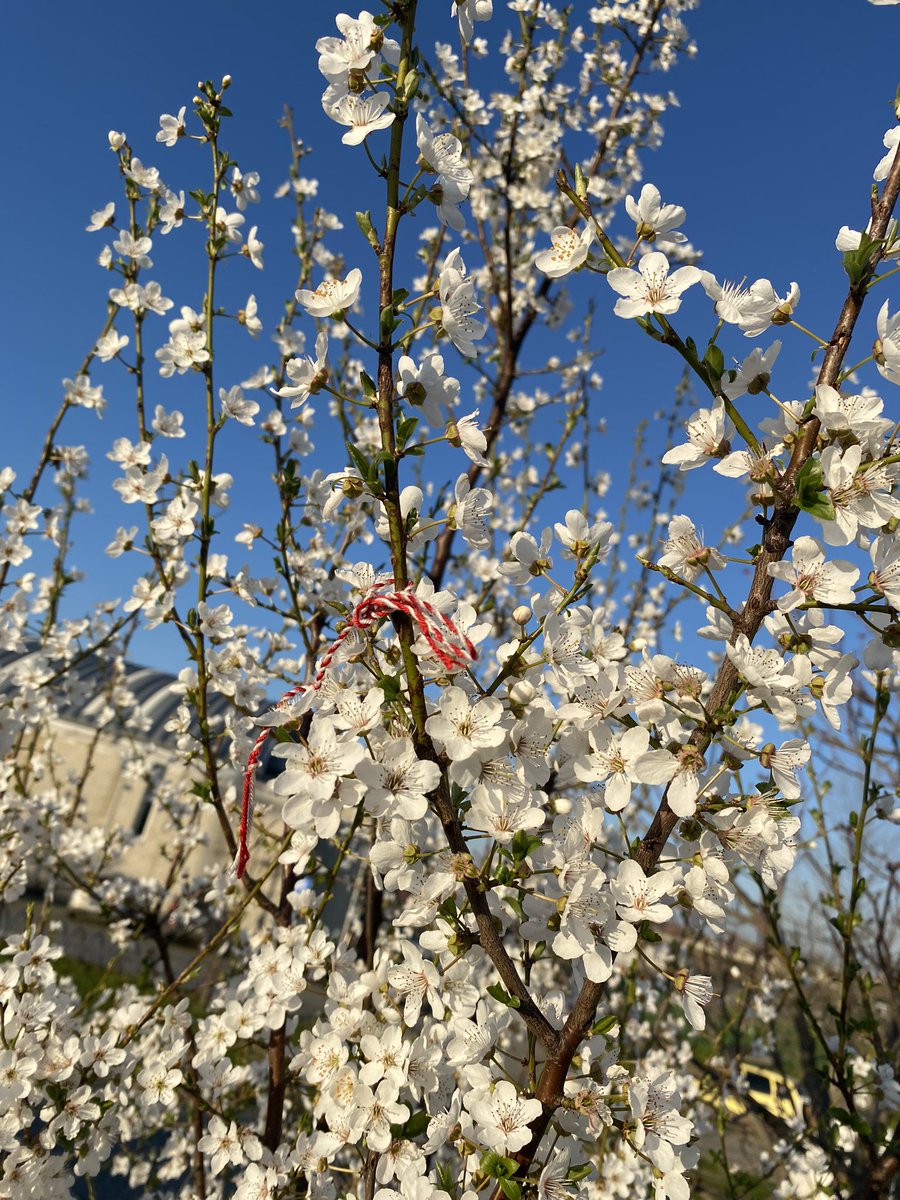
(781, 119)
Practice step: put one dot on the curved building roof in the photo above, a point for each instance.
(83, 692)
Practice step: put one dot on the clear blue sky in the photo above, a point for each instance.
(782, 114)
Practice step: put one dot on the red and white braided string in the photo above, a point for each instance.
(450, 647)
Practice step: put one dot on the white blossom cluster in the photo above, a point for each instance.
(531, 846)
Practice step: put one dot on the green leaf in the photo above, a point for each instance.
(855, 1122)
(604, 1025)
(445, 1178)
(405, 429)
(491, 1164)
(578, 1172)
(522, 845)
(810, 494)
(367, 383)
(366, 228)
(416, 1124)
(503, 997)
(388, 321)
(390, 685)
(361, 463)
(858, 262)
(510, 1189)
(714, 360)
(822, 509)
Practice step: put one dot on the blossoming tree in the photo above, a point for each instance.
(544, 816)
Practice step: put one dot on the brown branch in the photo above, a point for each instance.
(198, 1167)
(777, 535)
(491, 940)
(489, 936)
(276, 1088)
(277, 1081)
(776, 542)
(510, 353)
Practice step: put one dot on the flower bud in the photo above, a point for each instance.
(522, 614)
(410, 85)
(116, 140)
(522, 692)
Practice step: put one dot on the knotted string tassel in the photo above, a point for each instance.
(450, 647)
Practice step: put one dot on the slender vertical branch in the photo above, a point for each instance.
(776, 542)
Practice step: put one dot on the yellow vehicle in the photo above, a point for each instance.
(759, 1087)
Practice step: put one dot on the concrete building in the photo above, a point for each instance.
(109, 716)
